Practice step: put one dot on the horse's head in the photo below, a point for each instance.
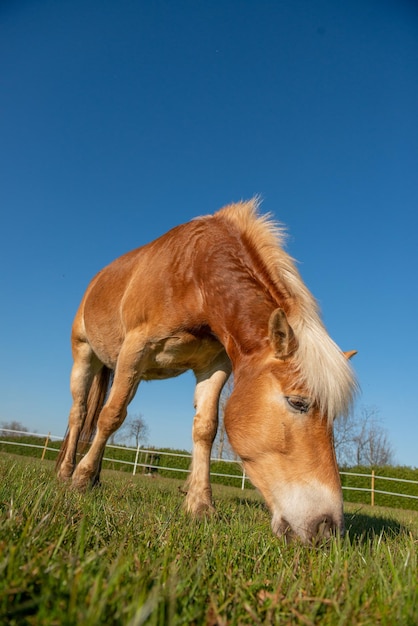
(285, 440)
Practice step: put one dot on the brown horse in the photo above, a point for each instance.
(215, 295)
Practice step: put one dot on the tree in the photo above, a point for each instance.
(362, 440)
(136, 428)
(346, 428)
(372, 444)
(13, 425)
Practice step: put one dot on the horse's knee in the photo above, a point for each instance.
(204, 429)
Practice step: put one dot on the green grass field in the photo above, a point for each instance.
(125, 553)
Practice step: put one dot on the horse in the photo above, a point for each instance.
(216, 295)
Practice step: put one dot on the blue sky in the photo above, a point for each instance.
(120, 119)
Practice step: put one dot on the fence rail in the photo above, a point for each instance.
(150, 455)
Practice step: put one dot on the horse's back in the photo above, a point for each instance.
(151, 290)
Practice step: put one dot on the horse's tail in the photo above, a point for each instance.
(95, 401)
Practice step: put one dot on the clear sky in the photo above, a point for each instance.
(120, 119)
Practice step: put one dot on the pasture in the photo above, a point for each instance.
(126, 553)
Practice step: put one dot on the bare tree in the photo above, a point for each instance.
(13, 425)
(346, 428)
(362, 440)
(136, 428)
(372, 445)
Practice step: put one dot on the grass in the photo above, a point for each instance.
(125, 553)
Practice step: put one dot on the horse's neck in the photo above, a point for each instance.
(239, 317)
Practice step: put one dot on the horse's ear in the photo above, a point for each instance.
(281, 335)
(349, 355)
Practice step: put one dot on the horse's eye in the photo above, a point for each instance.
(296, 403)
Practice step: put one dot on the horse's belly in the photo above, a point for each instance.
(173, 356)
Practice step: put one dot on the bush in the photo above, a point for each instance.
(24, 446)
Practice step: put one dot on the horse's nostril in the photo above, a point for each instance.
(319, 530)
(322, 527)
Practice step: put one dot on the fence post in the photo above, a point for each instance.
(243, 479)
(45, 446)
(136, 460)
(372, 490)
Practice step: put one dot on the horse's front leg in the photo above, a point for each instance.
(208, 389)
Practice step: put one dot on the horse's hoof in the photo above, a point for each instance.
(80, 483)
(65, 475)
(199, 508)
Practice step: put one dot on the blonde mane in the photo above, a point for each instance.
(322, 367)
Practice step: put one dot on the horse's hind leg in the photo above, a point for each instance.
(208, 390)
(85, 366)
(125, 383)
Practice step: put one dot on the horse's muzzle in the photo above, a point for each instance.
(314, 532)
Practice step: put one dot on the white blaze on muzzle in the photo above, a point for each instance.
(309, 511)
